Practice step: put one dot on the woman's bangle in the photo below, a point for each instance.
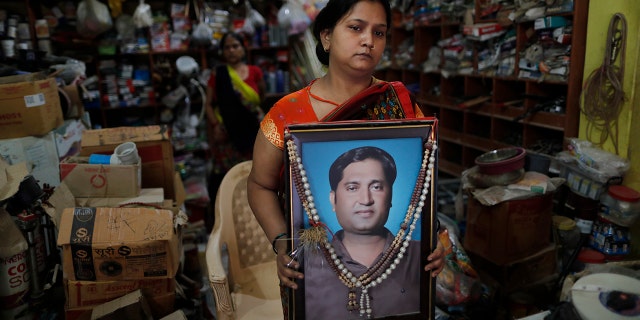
(278, 237)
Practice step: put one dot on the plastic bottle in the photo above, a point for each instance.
(620, 205)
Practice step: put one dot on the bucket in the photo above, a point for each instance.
(537, 162)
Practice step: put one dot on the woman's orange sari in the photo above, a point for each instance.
(383, 100)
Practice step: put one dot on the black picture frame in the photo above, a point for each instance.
(319, 143)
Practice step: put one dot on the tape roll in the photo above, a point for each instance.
(590, 295)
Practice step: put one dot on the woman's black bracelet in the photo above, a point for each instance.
(278, 237)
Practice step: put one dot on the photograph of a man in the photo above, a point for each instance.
(361, 182)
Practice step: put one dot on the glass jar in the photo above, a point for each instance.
(620, 205)
(568, 236)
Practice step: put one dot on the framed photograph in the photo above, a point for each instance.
(361, 202)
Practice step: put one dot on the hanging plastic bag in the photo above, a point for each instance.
(292, 17)
(93, 18)
(253, 19)
(142, 15)
(202, 33)
(256, 18)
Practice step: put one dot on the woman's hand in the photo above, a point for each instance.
(436, 260)
(287, 267)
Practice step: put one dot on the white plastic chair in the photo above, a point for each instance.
(240, 262)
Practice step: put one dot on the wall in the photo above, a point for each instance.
(600, 13)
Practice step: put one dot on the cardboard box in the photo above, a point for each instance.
(534, 269)
(113, 244)
(100, 180)
(91, 293)
(132, 306)
(510, 230)
(147, 196)
(39, 154)
(161, 306)
(72, 102)
(176, 315)
(30, 105)
(154, 148)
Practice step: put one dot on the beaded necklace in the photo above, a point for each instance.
(316, 235)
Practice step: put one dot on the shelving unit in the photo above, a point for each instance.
(467, 132)
(273, 57)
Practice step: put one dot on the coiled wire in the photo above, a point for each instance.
(603, 94)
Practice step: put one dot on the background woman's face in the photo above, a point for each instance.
(232, 50)
(362, 198)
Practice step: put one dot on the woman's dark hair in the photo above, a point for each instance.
(336, 171)
(329, 17)
(235, 36)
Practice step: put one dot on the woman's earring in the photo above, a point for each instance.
(326, 49)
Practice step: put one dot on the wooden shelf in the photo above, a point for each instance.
(512, 115)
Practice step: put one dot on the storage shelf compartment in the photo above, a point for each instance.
(392, 74)
(470, 155)
(429, 85)
(478, 86)
(507, 132)
(411, 79)
(477, 125)
(543, 140)
(429, 110)
(508, 92)
(451, 119)
(398, 38)
(450, 152)
(429, 37)
(452, 87)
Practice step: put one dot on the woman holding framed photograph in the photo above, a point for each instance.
(351, 37)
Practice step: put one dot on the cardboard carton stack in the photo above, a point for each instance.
(122, 232)
(33, 128)
(111, 252)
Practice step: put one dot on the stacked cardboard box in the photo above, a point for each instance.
(109, 252)
(122, 232)
(154, 148)
(33, 128)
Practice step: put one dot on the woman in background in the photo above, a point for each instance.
(234, 95)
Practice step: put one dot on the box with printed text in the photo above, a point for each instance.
(113, 244)
(100, 180)
(30, 105)
(154, 148)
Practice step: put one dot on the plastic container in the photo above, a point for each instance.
(620, 205)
